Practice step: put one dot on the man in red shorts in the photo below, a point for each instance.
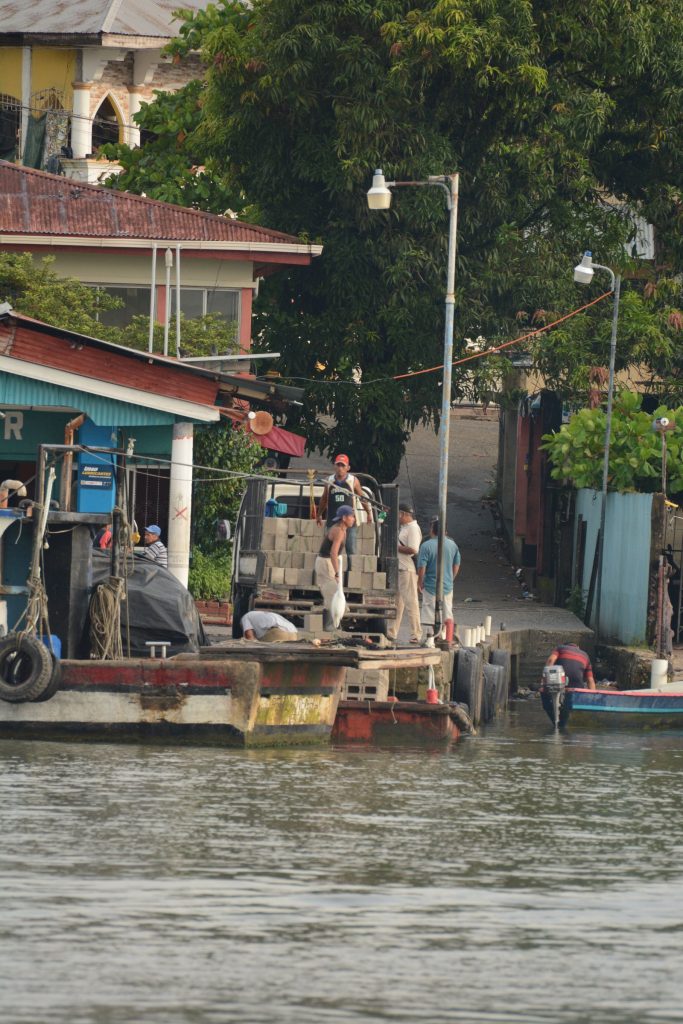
(576, 664)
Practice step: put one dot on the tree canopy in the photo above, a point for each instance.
(558, 117)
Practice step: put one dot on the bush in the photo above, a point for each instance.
(210, 575)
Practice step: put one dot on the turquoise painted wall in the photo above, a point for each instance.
(626, 561)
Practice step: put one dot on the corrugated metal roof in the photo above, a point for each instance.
(37, 203)
(23, 391)
(75, 18)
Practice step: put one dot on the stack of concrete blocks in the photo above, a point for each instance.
(363, 575)
(292, 545)
(366, 684)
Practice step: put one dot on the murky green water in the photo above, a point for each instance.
(517, 877)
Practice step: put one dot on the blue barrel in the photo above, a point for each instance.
(54, 643)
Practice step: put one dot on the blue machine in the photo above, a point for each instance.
(96, 471)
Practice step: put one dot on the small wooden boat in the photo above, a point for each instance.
(649, 709)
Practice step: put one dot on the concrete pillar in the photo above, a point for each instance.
(26, 78)
(180, 502)
(134, 102)
(81, 122)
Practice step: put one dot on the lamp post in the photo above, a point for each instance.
(583, 274)
(379, 198)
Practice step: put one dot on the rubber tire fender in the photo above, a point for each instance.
(26, 668)
(55, 680)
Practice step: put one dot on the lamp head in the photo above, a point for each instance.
(583, 271)
(379, 196)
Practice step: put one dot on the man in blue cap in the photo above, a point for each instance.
(154, 549)
(327, 569)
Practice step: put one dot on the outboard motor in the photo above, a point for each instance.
(553, 693)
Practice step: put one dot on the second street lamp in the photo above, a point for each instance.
(583, 274)
(379, 198)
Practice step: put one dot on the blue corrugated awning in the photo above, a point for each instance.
(24, 391)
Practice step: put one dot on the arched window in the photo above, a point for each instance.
(10, 120)
(106, 126)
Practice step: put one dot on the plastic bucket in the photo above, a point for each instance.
(659, 672)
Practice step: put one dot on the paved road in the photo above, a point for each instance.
(486, 577)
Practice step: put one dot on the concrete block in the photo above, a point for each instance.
(268, 542)
(379, 581)
(366, 530)
(295, 559)
(297, 543)
(281, 533)
(370, 684)
(291, 577)
(313, 622)
(277, 576)
(294, 527)
(367, 580)
(354, 580)
(369, 563)
(309, 528)
(309, 560)
(269, 527)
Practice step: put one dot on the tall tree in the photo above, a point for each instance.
(548, 111)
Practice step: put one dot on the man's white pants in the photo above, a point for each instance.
(429, 608)
(407, 601)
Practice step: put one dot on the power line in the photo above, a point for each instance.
(456, 362)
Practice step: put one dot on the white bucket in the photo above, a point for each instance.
(468, 637)
(659, 671)
(487, 625)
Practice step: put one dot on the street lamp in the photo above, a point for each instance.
(379, 198)
(583, 274)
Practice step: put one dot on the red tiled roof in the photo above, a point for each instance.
(36, 203)
(21, 338)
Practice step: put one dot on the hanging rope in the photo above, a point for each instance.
(105, 620)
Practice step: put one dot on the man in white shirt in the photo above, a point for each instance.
(409, 540)
(268, 627)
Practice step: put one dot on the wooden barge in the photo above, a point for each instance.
(239, 693)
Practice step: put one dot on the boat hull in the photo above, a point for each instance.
(622, 709)
(394, 722)
(235, 703)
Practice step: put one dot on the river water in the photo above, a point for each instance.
(518, 876)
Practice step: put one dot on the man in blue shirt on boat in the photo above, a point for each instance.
(576, 664)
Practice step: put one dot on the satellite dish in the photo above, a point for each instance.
(262, 423)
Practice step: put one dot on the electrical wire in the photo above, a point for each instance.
(456, 362)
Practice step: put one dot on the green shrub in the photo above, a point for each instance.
(210, 575)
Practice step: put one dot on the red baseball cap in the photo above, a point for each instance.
(342, 460)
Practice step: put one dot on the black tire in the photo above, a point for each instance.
(26, 668)
(55, 680)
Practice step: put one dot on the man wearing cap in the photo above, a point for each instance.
(341, 489)
(327, 569)
(154, 549)
(409, 540)
(426, 578)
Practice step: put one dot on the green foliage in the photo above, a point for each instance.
(203, 336)
(216, 496)
(544, 110)
(635, 464)
(209, 578)
(35, 290)
(575, 602)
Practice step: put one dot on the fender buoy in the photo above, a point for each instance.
(55, 680)
(26, 668)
